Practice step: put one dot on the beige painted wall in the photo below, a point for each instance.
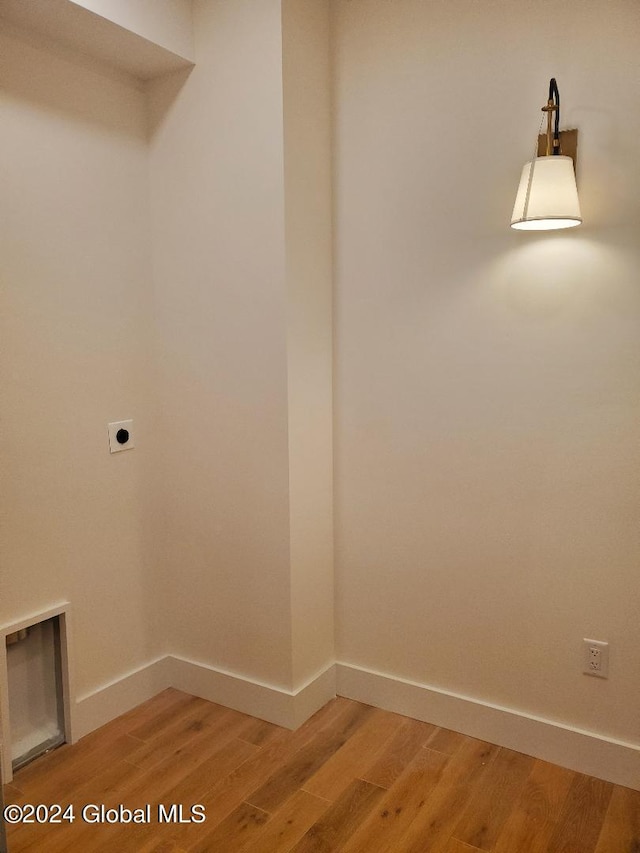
(167, 23)
(212, 540)
(217, 201)
(487, 381)
(241, 210)
(75, 283)
(486, 424)
(308, 241)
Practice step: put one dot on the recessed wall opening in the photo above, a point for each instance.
(35, 681)
(34, 676)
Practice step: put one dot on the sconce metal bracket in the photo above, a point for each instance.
(568, 144)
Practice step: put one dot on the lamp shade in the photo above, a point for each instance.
(547, 196)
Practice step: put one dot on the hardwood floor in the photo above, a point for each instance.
(353, 778)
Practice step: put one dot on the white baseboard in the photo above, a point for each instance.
(313, 695)
(583, 751)
(105, 704)
(285, 708)
(586, 752)
(282, 707)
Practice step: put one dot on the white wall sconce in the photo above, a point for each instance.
(547, 197)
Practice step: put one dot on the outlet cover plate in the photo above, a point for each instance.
(595, 658)
(116, 446)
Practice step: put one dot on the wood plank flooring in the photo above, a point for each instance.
(353, 778)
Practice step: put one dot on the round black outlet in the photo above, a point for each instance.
(122, 436)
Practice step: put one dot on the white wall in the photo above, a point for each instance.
(75, 279)
(217, 202)
(308, 238)
(167, 23)
(241, 209)
(212, 540)
(143, 38)
(487, 381)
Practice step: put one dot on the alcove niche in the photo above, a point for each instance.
(35, 687)
(125, 42)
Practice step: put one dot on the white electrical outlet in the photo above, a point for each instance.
(121, 436)
(595, 658)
